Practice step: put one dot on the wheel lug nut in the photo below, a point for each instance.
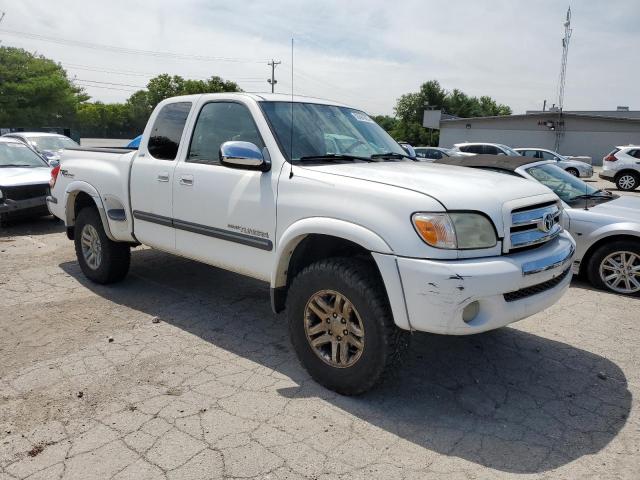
(345, 332)
(335, 315)
(344, 320)
(339, 337)
(328, 321)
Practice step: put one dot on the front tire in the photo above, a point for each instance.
(101, 259)
(573, 171)
(341, 326)
(616, 267)
(627, 181)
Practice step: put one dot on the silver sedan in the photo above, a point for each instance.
(574, 167)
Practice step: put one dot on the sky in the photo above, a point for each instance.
(365, 53)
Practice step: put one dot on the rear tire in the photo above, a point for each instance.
(361, 328)
(627, 181)
(603, 272)
(101, 259)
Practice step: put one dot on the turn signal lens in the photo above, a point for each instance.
(436, 229)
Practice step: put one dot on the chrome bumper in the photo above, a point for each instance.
(556, 260)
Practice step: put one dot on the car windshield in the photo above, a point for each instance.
(569, 188)
(14, 154)
(327, 130)
(52, 143)
(510, 151)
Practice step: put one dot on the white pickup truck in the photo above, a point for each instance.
(359, 243)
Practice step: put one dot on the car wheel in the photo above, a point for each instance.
(101, 259)
(341, 326)
(627, 181)
(616, 267)
(573, 171)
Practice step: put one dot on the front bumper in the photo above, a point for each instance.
(11, 207)
(507, 288)
(586, 172)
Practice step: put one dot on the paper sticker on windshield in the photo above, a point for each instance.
(361, 117)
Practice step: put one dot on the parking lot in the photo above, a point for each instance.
(182, 371)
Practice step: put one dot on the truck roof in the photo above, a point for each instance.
(264, 97)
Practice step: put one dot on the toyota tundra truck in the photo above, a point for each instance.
(360, 244)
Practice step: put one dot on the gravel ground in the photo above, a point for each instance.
(183, 372)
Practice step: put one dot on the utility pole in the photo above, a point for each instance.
(273, 80)
(563, 66)
(563, 74)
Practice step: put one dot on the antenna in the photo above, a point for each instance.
(291, 126)
(563, 66)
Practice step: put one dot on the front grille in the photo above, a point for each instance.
(24, 192)
(535, 289)
(534, 225)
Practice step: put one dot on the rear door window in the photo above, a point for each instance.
(167, 130)
(491, 150)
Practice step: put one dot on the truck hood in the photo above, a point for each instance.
(16, 176)
(457, 188)
(624, 208)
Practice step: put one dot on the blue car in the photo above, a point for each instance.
(135, 143)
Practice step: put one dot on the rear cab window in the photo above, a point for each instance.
(167, 130)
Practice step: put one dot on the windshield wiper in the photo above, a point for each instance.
(331, 157)
(596, 194)
(391, 156)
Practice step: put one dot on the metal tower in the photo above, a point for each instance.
(565, 51)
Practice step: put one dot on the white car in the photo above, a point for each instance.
(622, 166)
(606, 227)
(358, 248)
(574, 167)
(24, 181)
(49, 145)
(479, 148)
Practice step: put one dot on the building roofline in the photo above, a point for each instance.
(542, 114)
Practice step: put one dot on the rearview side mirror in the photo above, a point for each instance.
(243, 155)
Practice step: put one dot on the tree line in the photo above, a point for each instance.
(35, 92)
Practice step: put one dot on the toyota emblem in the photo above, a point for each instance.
(547, 222)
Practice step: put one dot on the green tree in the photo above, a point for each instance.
(141, 103)
(35, 91)
(410, 107)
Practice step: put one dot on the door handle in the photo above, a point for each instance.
(163, 177)
(186, 180)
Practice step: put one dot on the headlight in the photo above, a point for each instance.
(455, 230)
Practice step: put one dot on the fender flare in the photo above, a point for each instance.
(300, 229)
(71, 191)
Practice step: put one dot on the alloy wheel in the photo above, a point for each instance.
(334, 328)
(627, 182)
(91, 246)
(620, 271)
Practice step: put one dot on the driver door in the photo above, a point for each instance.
(224, 216)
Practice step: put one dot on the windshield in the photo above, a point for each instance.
(52, 143)
(13, 154)
(321, 130)
(569, 188)
(510, 151)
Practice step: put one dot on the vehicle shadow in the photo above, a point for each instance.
(508, 400)
(31, 226)
(584, 284)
